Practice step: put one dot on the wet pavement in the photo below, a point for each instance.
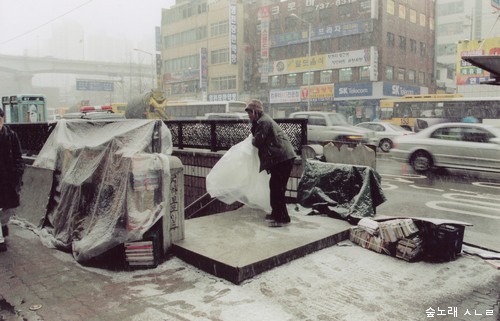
(341, 282)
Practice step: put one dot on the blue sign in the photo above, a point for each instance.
(93, 85)
(391, 89)
(353, 90)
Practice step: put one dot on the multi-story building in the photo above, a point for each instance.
(459, 22)
(202, 50)
(341, 55)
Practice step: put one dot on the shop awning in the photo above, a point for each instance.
(488, 63)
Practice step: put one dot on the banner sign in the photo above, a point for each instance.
(233, 39)
(336, 60)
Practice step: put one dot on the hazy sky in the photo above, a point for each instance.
(23, 23)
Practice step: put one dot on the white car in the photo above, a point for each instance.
(385, 133)
(467, 146)
(325, 127)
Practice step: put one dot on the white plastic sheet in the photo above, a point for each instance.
(236, 178)
(109, 186)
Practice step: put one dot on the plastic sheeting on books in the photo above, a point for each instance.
(109, 185)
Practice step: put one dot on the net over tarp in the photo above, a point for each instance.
(109, 186)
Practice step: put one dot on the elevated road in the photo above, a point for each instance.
(30, 66)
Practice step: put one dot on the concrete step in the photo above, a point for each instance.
(237, 245)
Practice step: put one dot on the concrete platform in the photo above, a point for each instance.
(238, 245)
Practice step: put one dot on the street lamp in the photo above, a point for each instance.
(309, 60)
(152, 66)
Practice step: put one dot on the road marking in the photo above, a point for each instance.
(475, 202)
(487, 184)
(434, 205)
(427, 188)
(388, 187)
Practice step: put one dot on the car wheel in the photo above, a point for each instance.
(385, 145)
(421, 161)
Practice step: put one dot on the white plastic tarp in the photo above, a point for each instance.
(109, 187)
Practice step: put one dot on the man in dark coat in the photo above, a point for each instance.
(11, 172)
(276, 156)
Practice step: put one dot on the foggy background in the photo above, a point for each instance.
(90, 30)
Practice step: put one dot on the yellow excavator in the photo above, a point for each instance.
(151, 105)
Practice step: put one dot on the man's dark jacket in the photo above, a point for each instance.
(11, 168)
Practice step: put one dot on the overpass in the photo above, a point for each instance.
(17, 72)
(30, 66)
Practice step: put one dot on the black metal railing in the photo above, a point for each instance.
(214, 135)
(217, 135)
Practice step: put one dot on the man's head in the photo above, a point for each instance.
(254, 109)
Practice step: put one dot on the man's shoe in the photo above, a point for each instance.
(277, 224)
(269, 218)
(5, 230)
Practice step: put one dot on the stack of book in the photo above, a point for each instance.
(365, 239)
(409, 249)
(140, 254)
(394, 230)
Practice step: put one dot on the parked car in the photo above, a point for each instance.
(385, 133)
(324, 127)
(452, 145)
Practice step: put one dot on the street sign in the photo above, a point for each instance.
(94, 85)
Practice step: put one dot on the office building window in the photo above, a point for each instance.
(401, 74)
(291, 80)
(389, 72)
(219, 56)
(390, 39)
(364, 73)
(345, 74)
(402, 43)
(413, 46)
(219, 28)
(223, 83)
(325, 76)
(305, 78)
(421, 77)
(276, 81)
(412, 76)
(422, 49)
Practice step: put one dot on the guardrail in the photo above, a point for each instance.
(214, 135)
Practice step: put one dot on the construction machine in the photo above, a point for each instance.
(151, 105)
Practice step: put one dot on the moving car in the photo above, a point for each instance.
(470, 146)
(385, 133)
(325, 127)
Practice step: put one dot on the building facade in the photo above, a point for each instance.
(333, 55)
(463, 24)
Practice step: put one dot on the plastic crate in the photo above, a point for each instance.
(443, 242)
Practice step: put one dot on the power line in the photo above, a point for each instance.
(44, 24)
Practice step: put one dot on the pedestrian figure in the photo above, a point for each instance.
(276, 156)
(11, 172)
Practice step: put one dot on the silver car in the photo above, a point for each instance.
(453, 145)
(385, 133)
(325, 127)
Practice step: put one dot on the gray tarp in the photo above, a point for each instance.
(108, 187)
(347, 190)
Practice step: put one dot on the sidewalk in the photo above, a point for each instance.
(342, 282)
